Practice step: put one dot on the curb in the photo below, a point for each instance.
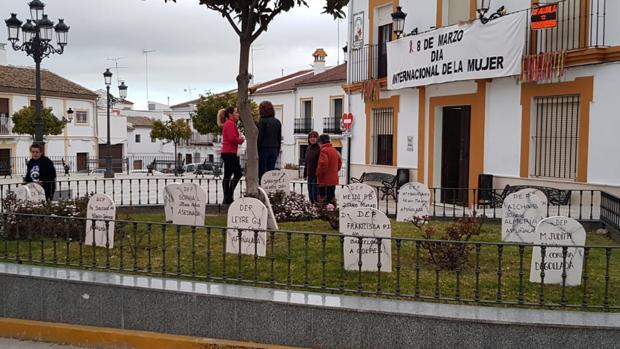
(100, 337)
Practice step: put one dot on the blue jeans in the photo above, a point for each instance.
(267, 158)
(313, 189)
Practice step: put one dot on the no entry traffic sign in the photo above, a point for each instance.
(347, 121)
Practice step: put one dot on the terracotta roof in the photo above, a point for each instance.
(21, 80)
(319, 53)
(335, 74)
(285, 83)
(137, 121)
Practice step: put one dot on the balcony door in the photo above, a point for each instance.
(385, 36)
(5, 128)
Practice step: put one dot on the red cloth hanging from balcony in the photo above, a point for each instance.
(543, 66)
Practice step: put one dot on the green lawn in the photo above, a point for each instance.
(313, 261)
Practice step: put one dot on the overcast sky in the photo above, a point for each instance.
(195, 48)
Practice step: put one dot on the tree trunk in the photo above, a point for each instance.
(250, 129)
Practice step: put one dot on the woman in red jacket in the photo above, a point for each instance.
(327, 169)
(230, 143)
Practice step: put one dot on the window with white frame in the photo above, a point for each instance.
(306, 109)
(382, 136)
(556, 137)
(336, 108)
(81, 117)
(138, 138)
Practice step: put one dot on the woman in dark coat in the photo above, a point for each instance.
(269, 138)
(312, 160)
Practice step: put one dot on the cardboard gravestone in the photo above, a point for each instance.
(276, 180)
(356, 195)
(248, 217)
(414, 200)
(100, 206)
(22, 193)
(562, 231)
(370, 224)
(271, 217)
(37, 193)
(521, 213)
(170, 194)
(190, 204)
(538, 193)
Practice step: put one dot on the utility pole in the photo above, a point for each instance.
(146, 52)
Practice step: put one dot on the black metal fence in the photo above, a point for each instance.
(302, 125)
(364, 64)
(580, 24)
(580, 204)
(492, 273)
(332, 125)
(610, 211)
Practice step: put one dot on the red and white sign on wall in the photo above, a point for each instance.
(347, 121)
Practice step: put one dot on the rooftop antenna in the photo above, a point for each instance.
(146, 52)
(116, 67)
(189, 91)
(257, 47)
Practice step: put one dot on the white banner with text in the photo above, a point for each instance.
(458, 52)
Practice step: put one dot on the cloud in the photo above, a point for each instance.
(195, 48)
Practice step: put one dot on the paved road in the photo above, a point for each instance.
(6, 343)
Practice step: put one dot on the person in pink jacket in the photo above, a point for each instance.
(230, 143)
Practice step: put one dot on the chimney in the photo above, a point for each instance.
(319, 61)
(3, 60)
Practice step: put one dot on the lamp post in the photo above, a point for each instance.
(485, 6)
(69, 116)
(398, 21)
(122, 92)
(37, 36)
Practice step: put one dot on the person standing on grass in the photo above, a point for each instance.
(327, 170)
(230, 143)
(40, 169)
(269, 138)
(312, 161)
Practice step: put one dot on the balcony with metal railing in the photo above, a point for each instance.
(580, 25)
(367, 64)
(332, 125)
(302, 125)
(6, 126)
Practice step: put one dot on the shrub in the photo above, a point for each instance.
(294, 208)
(54, 221)
(291, 167)
(328, 212)
(453, 253)
(291, 208)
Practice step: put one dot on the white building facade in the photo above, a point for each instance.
(555, 131)
(308, 100)
(78, 141)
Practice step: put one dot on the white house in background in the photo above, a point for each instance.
(75, 145)
(199, 148)
(141, 148)
(536, 127)
(304, 101)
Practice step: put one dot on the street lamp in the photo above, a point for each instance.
(37, 34)
(398, 20)
(485, 6)
(122, 92)
(69, 116)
